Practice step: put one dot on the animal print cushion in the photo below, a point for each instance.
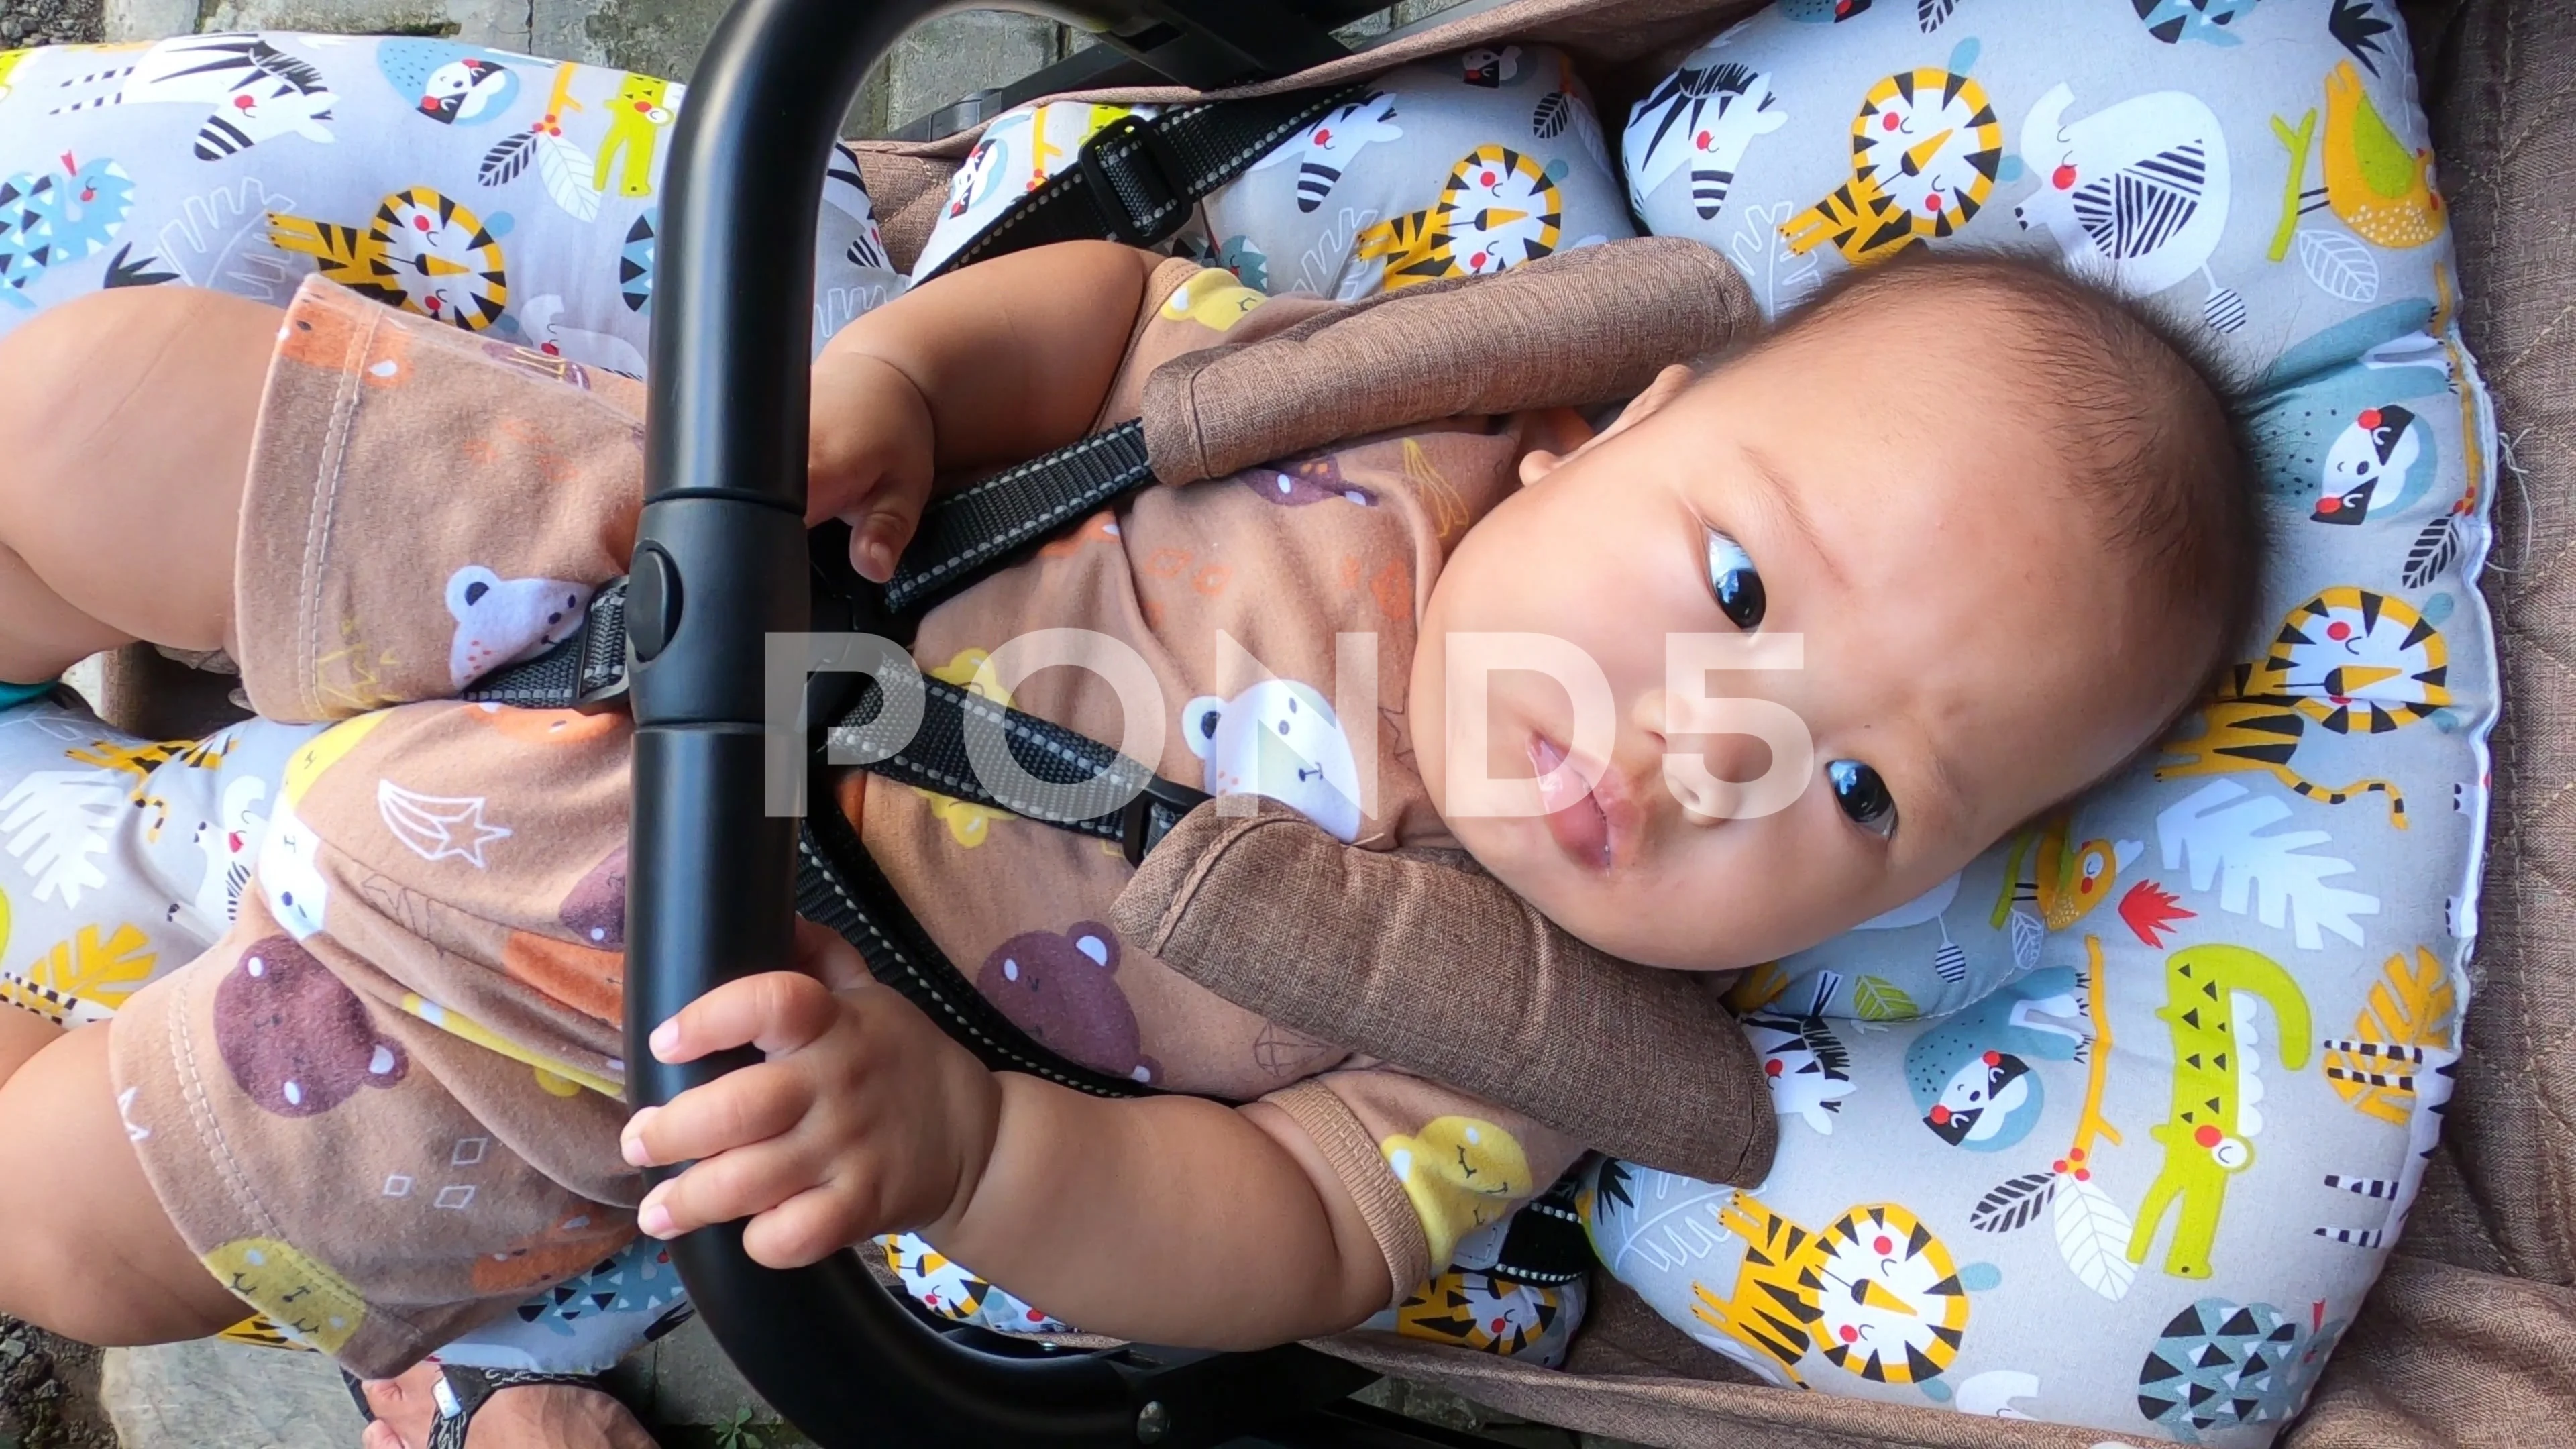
(1467, 164)
(516, 197)
(2201, 1024)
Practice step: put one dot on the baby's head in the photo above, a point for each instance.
(2006, 523)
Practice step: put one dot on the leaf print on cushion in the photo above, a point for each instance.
(86, 977)
(2410, 1006)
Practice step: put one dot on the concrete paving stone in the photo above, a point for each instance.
(149, 19)
(207, 1393)
(502, 24)
(956, 55)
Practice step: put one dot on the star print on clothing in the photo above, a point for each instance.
(437, 826)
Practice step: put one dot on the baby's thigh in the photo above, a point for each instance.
(91, 1254)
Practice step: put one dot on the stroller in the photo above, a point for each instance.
(850, 1364)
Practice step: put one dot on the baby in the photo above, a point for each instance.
(1787, 643)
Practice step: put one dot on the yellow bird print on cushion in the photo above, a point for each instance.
(2379, 188)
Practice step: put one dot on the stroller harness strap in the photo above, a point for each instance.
(1066, 779)
(963, 534)
(1137, 181)
(586, 671)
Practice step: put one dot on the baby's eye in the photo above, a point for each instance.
(1863, 796)
(1732, 577)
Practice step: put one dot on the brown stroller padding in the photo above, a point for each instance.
(1328, 938)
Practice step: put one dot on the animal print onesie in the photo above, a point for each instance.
(384, 1107)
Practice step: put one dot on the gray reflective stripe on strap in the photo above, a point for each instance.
(964, 535)
(1072, 780)
(586, 671)
(1137, 181)
(1065, 778)
(838, 886)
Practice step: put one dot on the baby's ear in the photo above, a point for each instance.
(1669, 384)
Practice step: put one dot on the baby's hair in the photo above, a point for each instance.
(2141, 418)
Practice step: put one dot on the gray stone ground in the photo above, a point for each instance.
(58, 1395)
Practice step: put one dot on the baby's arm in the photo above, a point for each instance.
(1121, 1216)
(1000, 362)
(132, 415)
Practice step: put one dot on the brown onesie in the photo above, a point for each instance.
(383, 1107)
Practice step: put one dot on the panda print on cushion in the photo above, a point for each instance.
(1279, 739)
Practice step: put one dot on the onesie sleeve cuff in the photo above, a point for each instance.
(423, 505)
(1337, 1133)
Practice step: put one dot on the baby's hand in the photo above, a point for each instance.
(868, 459)
(865, 1119)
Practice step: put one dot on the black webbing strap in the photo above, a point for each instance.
(839, 886)
(1137, 181)
(963, 537)
(585, 671)
(966, 534)
(1086, 786)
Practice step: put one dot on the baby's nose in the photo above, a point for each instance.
(1735, 759)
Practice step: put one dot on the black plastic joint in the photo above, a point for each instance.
(1136, 833)
(1137, 181)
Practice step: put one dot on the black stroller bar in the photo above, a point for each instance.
(721, 562)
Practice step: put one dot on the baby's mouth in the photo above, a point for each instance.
(1574, 815)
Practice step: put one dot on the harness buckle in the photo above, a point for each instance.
(1137, 832)
(601, 684)
(1136, 182)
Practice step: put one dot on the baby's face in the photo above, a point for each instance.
(1972, 651)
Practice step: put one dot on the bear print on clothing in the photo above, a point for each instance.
(1299, 482)
(1281, 740)
(1063, 991)
(595, 911)
(305, 1297)
(298, 1042)
(588, 972)
(503, 621)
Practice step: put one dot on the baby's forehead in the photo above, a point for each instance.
(1940, 323)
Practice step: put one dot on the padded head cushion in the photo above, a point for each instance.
(2203, 1019)
(1464, 165)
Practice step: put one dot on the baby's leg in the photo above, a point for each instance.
(130, 414)
(91, 1255)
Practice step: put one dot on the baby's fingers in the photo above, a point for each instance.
(807, 1228)
(777, 1011)
(878, 535)
(822, 954)
(727, 1186)
(741, 1108)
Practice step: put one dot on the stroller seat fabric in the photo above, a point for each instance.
(2197, 1031)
